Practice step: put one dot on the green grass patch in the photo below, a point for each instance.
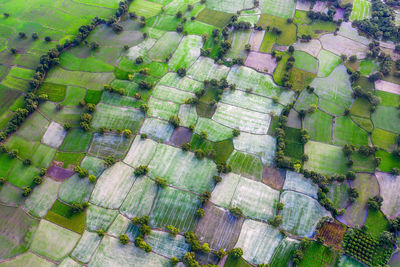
(361, 107)
(364, 123)
(223, 150)
(145, 8)
(316, 28)
(43, 156)
(233, 262)
(387, 118)
(388, 99)
(368, 66)
(22, 175)
(77, 140)
(388, 161)
(376, 222)
(319, 125)
(305, 61)
(74, 96)
(300, 17)
(268, 42)
(62, 215)
(6, 164)
(288, 35)
(25, 148)
(56, 92)
(280, 68)
(213, 17)
(327, 62)
(318, 255)
(362, 163)
(93, 96)
(347, 132)
(246, 164)
(383, 139)
(293, 148)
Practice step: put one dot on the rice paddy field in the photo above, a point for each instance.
(126, 139)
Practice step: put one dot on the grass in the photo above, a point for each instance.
(223, 150)
(62, 215)
(316, 28)
(361, 107)
(56, 92)
(145, 8)
(300, 78)
(305, 61)
(361, 10)
(22, 175)
(213, 17)
(232, 262)
(388, 161)
(388, 99)
(294, 148)
(362, 163)
(246, 164)
(387, 118)
(74, 96)
(383, 139)
(288, 35)
(77, 140)
(376, 222)
(268, 42)
(319, 125)
(280, 70)
(347, 132)
(6, 164)
(327, 62)
(23, 147)
(368, 66)
(300, 17)
(318, 255)
(280, 8)
(43, 156)
(69, 158)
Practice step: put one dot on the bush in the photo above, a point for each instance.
(37, 180)
(185, 146)
(181, 72)
(174, 261)
(124, 239)
(27, 162)
(200, 212)
(141, 170)
(236, 253)
(161, 182)
(173, 230)
(235, 132)
(174, 121)
(92, 178)
(235, 211)
(26, 191)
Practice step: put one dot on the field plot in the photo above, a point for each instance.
(166, 245)
(301, 213)
(141, 152)
(318, 255)
(140, 198)
(186, 84)
(338, 194)
(368, 66)
(186, 53)
(22, 146)
(259, 241)
(113, 186)
(254, 198)
(28, 259)
(22, 175)
(305, 61)
(171, 94)
(156, 129)
(346, 261)
(334, 91)
(268, 42)
(327, 63)
(283, 252)
(16, 229)
(205, 69)
(94, 165)
(218, 228)
(280, 8)
(367, 186)
(246, 165)
(305, 100)
(54, 135)
(213, 17)
(361, 107)
(162, 109)
(242, 119)
(229, 6)
(77, 140)
(216, 132)
(34, 127)
(256, 39)
(119, 226)
(175, 207)
(319, 126)
(347, 132)
(62, 215)
(239, 39)
(74, 96)
(298, 183)
(389, 184)
(76, 189)
(247, 78)
(362, 9)
(341, 45)
(324, 158)
(111, 252)
(388, 162)
(10, 195)
(109, 144)
(145, 8)
(99, 218)
(42, 198)
(383, 139)
(362, 163)
(182, 169)
(187, 115)
(387, 87)
(386, 118)
(52, 241)
(86, 246)
(116, 117)
(312, 47)
(288, 35)
(388, 99)
(347, 30)
(261, 62)
(165, 46)
(261, 145)
(117, 100)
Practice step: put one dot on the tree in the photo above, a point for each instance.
(291, 49)
(127, 133)
(47, 39)
(174, 121)
(200, 212)
(117, 28)
(353, 58)
(13, 50)
(26, 191)
(235, 132)
(141, 170)
(94, 46)
(236, 253)
(124, 239)
(35, 36)
(205, 196)
(173, 230)
(174, 261)
(203, 135)
(181, 72)
(160, 182)
(236, 211)
(6, 15)
(92, 178)
(220, 253)
(276, 221)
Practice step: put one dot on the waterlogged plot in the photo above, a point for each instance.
(298, 183)
(183, 83)
(229, 6)
(99, 218)
(205, 69)
(54, 135)
(334, 91)
(109, 144)
(187, 115)
(260, 61)
(42, 197)
(327, 63)
(325, 159)
(112, 253)
(389, 186)
(171, 94)
(362, 9)
(113, 186)
(175, 207)
(86, 246)
(165, 244)
(215, 131)
(182, 169)
(255, 199)
(280, 8)
(34, 127)
(186, 53)
(219, 228)
(156, 129)
(93, 165)
(260, 145)
(247, 78)
(242, 119)
(76, 189)
(162, 109)
(301, 213)
(165, 46)
(347, 132)
(251, 101)
(305, 100)
(347, 30)
(116, 117)
(141, 152)
(140, 198)
(246, 165)
(258, 241)
(52, 241)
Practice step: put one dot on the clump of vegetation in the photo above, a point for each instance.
(141, 170)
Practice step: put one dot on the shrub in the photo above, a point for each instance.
(141, 170)
(235, 211)
(203, 135)
(92, 178)
(26, 191)
(37, 180)
(235, 132)
(173, 230)
(174, 120)
(217, 179)
(27, 162)
(100, 232)
(236, 253)
(205, 196)
(161, 182)
(200, 212)
(276, 221)
(185, 146)
(181, 72)
(124, 239)
(174, 261)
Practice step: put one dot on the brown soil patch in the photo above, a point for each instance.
(274, 177)
(333, 234)
(180, 136)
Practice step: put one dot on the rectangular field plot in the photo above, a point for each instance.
(327, 62)
(145, 8)
(218, 228)
(113, 186)
(116, 117)
(76, 189)
(325, 159)
(119, 226)
(239, 39)
(205, 69)
(246, 164)
(347, 132)
(23, 147)
(186, 53)
(109, 144)
(301, 213)
(297, 182)
(387, 118)
(117, 100)
(28, 259)
(185, 84)
(171, 94)
(74, 96)
(242, 119)
(383, 139)
(362, 9)
(162, 109)
(280, 8)
(54, 135)
(86, 246)
(229, 6)
(165, 46)
(165, 244)
(319, 126)
(283, 253)
(77, 140)
(260, 145)
(305, 61)
(42, 197)
(94, 165)
(187, 115)
(338, 45)
(175, 207)
(52, 241)
(247, 78)
(140, 198)
(34, 127)
(182, 169)
(255, 199)
(156, 129)
(141, 152)
(258, 241)
(215, 131)
(213, 17)
(389, 185)
(99, 218)
(305, 100)
(22, 175)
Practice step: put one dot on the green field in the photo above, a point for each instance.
(361, 10)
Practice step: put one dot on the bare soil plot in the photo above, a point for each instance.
(274, 177)
(261, 62)
(218, 228)
(312, 47)
(256, 39)
(341, 45)
(387, 87)
(180, 136)
(389, 188)
(59, 173)
(332, 233)
(303, 5)
(54, 135)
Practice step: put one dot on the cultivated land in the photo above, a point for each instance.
(206, 132)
